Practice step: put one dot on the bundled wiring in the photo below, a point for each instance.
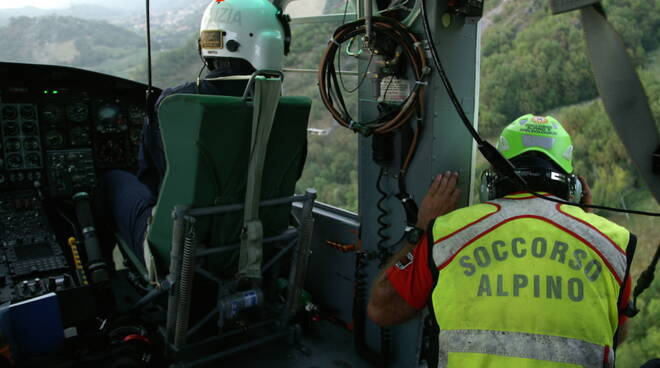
(491, 154)
(330, 87)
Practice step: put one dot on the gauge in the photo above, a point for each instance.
(77, 112)
(52, 114)
(27, 112)
(11, 128)
(109, 119)
(54, 138)
(14, 161)
(9, 113)
(31, 144)
(136, 134)
(33, 159)
(111, 152)
(29, 128)
(79, 136)
(13, 145)
(136, 114)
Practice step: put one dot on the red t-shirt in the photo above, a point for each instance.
(411, 278)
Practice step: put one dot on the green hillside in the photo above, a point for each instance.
(90, 44)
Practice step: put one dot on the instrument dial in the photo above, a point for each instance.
(109, 119)
(136, 133)
(31, 144)
(29, 128)
(136, 114)
(111, 152)
(33, 160)
(79, 136)
(77, 112)
(11, 128)
(54, 138)
(13, 145)
(14, 161)
(9, 113)
(27, 112)
(52, 114)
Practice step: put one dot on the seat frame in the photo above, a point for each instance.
(184, 255)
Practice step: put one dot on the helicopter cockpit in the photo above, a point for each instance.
(379, 116)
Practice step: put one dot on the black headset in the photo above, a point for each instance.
(539, 173)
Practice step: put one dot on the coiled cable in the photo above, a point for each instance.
(383, 252)
(329, 85)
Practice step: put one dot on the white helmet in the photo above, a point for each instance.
(253, 30)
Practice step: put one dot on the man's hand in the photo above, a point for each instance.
(440, 199)
(586, 194)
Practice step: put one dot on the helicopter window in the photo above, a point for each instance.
(69, 33)
(315, 8)
(331, 165)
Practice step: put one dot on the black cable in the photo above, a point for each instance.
(491, 154)
(644, 281)
(360, 299)
(71, 222)
(383, 226)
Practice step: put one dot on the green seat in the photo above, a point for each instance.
(207, 145)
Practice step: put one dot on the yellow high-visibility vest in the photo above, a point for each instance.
(525, 282)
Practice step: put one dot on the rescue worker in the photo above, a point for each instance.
(237, 37)
(517, 280)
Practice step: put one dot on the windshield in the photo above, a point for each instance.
(102, 36)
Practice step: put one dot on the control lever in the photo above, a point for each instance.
(97, 269)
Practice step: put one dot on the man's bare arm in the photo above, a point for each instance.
(386, 307)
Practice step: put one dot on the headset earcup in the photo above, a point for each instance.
(486, 189)
(575, 189)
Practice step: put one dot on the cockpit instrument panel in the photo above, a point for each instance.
(62, 127)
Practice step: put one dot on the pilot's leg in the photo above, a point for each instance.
(128, 203)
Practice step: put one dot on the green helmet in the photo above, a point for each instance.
(541, 134)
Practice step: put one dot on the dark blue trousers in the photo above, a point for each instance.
(126, 203)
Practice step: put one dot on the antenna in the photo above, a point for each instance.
(149, 93)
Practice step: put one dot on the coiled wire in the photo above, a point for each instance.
(329, 85)
(383, 251)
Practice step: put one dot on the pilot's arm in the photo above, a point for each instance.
(402, 289)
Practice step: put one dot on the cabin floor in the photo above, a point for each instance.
(324, 344)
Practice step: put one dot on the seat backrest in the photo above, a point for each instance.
(207, 146)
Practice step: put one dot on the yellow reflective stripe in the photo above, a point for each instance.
(523, 345)
(614, 258)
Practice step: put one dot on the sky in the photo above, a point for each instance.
(46, 4)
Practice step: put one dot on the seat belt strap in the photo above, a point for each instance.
(619, 87)
(266, 100)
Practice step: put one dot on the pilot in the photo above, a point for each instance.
(237, 37)
(517, 280)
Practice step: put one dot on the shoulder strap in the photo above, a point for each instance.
(266, 100)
